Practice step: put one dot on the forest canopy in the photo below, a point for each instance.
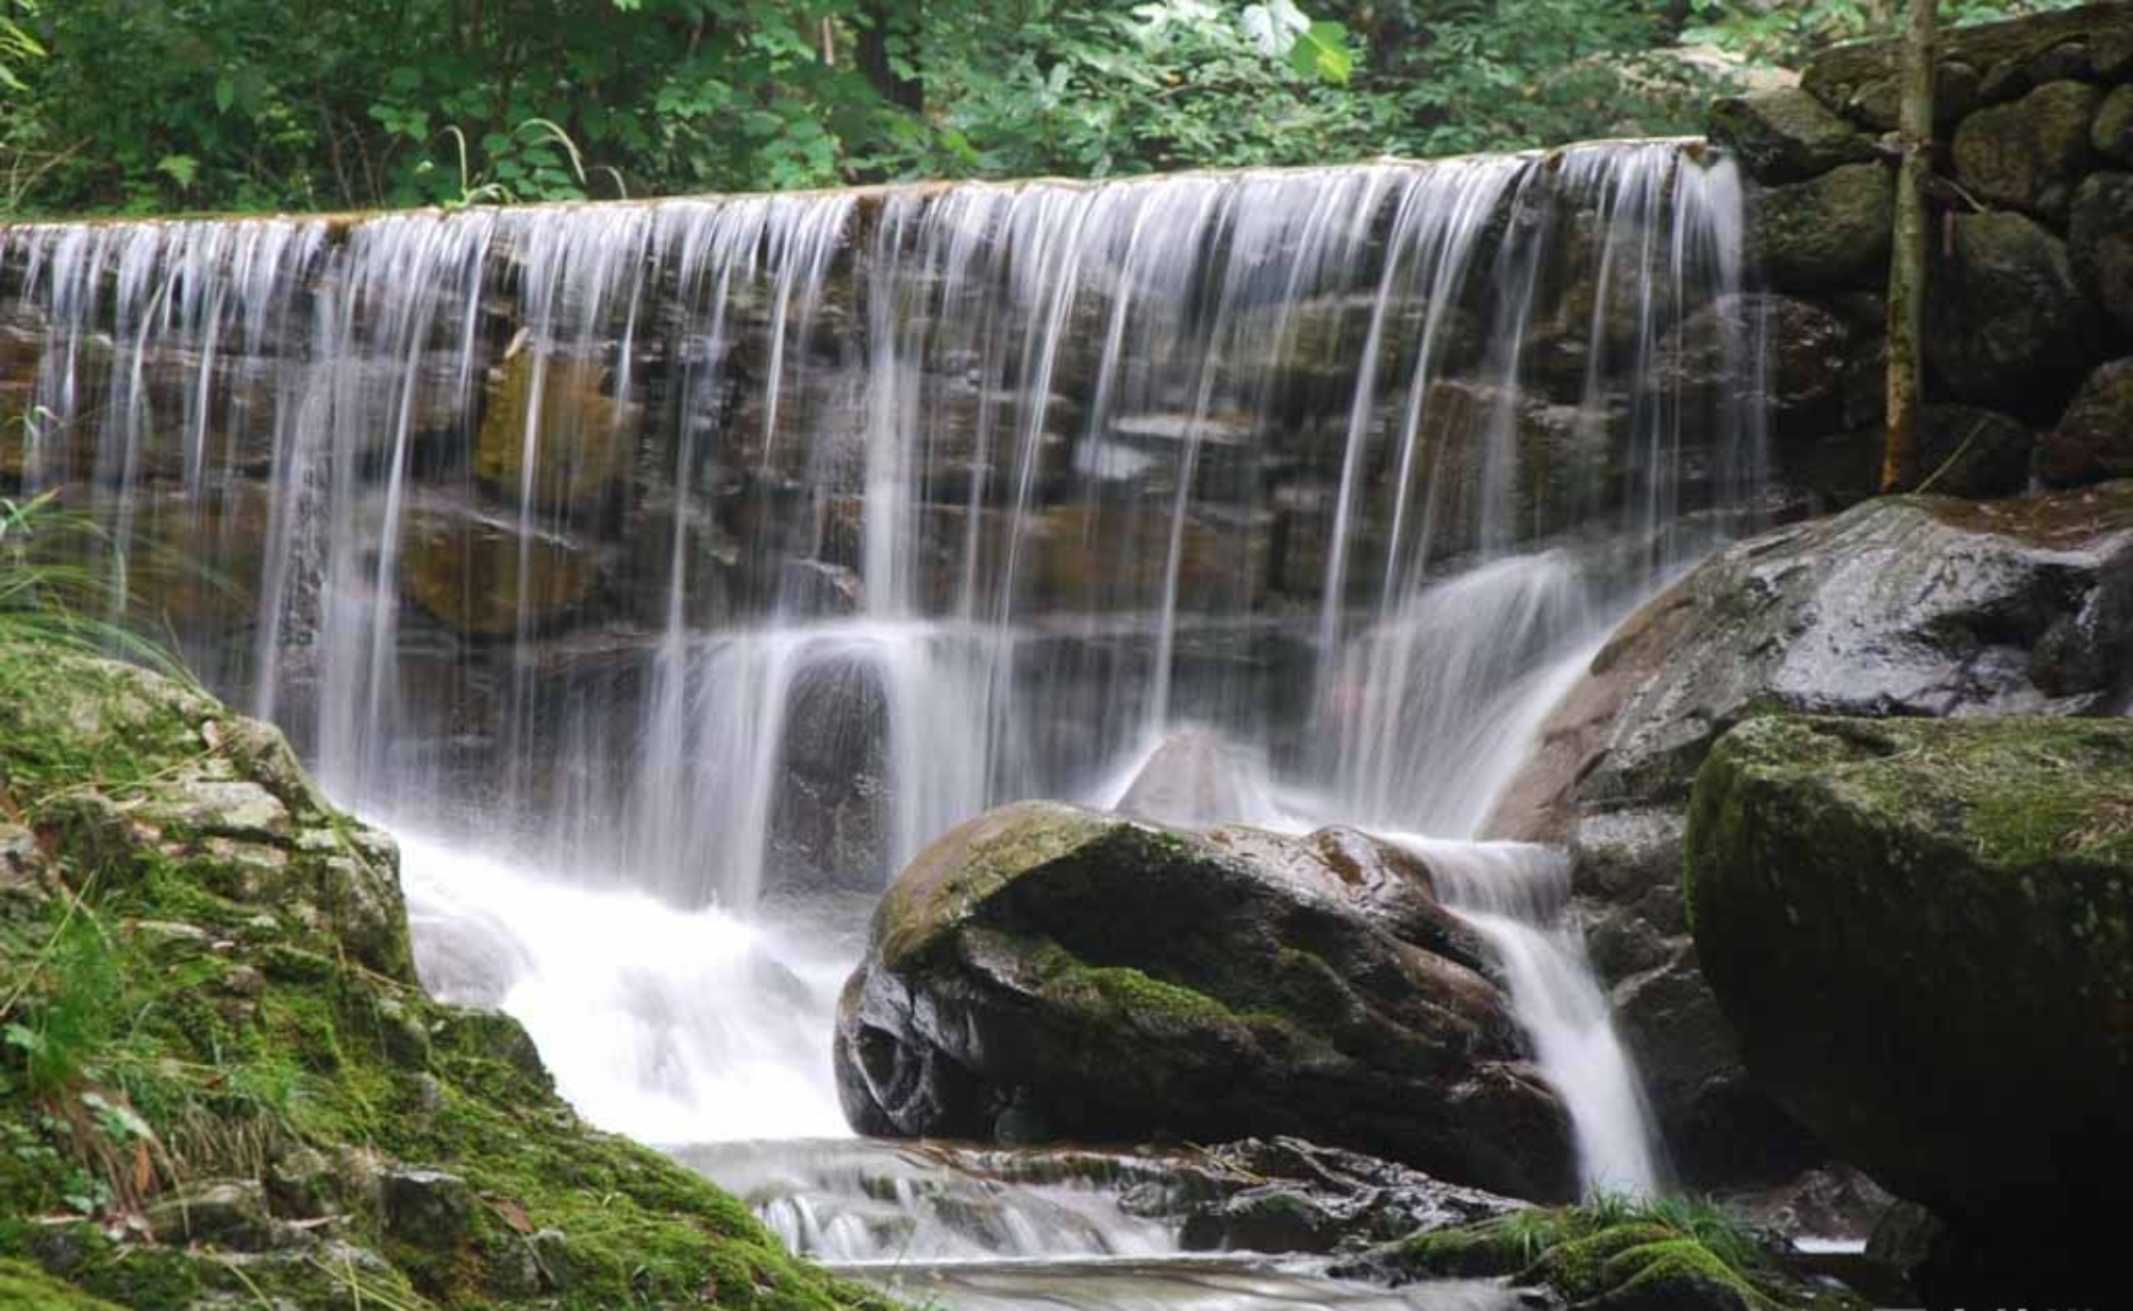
(149, 106)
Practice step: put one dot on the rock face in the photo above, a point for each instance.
(1923, 933)
(1923, 607)
(1046, 972)
(2030, 277)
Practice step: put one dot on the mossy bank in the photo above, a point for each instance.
(221, 1083)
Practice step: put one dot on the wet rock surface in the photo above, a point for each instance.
(1919, 931)
(1044, 971)
(1901, 607)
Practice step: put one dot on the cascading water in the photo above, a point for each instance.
(671, 572)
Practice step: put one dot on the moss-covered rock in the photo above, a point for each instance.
(223, 1084)
(1633, 1256)
(2094, 439)
(1049, 972)
(1914, 606)
(1923, 933)
(2111, 133)
(1829, 232)
(2031, 153)
(2008, 325)
(1786, 135)
(2100, 242)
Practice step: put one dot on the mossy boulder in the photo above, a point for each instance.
(2094, 439)
(2007, 323)
(224, 1084)
(1917, 606)
(1050, 972)
(1786, 135)
(1922, 605)
(2111, 134)
(1827, 233)
(2100, 243)
(2029, 154)
(1625, 1255)
(1923, 933)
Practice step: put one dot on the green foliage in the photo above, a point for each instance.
(133, 106)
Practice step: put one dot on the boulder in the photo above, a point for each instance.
(1919, 606)
(1923, 934)
(2006, 322)
(2094, 439)
(1808, 352)
(2111, 134)
(1957, 91)
(1786, 135)
(2100, 242)
(1963, 450)
(2031, 153)
(1916, 605)
(1046, 971)
(1825, 233)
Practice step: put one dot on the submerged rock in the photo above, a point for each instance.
(1046, 971)
(1920, 931)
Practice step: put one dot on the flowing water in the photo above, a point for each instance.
(666, 574)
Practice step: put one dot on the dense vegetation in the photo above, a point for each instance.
(162, 105)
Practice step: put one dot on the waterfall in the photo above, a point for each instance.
(671, 571)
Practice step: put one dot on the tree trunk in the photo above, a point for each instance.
(873, 54)
(1907, 263)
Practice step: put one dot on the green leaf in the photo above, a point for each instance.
(181, 168)
(1322, 52)
(225, 93)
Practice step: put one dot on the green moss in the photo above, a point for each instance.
(202, 1036)
(26, 1288)
(1578, 1269)
(1611, 1251)
(1671, 1271)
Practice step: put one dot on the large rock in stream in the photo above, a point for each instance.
(1913, 606)
(1923, 933)
(1045, 972)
